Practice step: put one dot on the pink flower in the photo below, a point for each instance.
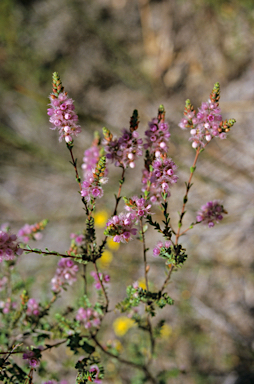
(160, 178)
(210, 213)
(62, 114)
(65, 274)
(32, 359)
(78, 238)
(32, 308)
(121, 227)
(92, 186)
(139, 206)
(88, 317)
(8, 246)
(32, 232)
(102, 277)
(125, 150)
(160, 247)
(157, 137)
(95, 368)
(7, 305)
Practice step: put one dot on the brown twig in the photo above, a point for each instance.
(48, 253)
(188, 186)
(102, 287)
(121, 360)
(75, 167)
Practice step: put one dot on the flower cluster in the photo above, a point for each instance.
(7, 306)
(123, 151)
(91, 187)
(90, 159)
(157, 137)
(121, 227)
(8, 246)
(77, 238)
(32, 358)
(88, 317)
(65, 274)
(207, 123)
(160, 247)
(102, 278)
(61, 112)
(137, 205)
(32, 232)
(210, 213)
(76, 241)
(32, 307)
(160, 178)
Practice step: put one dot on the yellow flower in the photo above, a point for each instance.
(100, 219)
(122, 324)
(142, 283)
(106, 258)
(113, 245)
(166, 331)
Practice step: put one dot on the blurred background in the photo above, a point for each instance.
(114, 56)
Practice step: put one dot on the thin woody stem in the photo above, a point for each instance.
(48, 253)
(121, 360)
(149, 324)
(18, 345)
(186, 230)
(188, 186)
(117, 202)
(119, 191)
(102, 287)
(75, 167)
(144, 253)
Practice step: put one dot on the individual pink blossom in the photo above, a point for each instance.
(121, 227)
(138, 205)
(9, 248)
(88, 317)
(157, 137)
(160, 247)
(125, 150)
(32, 359)
(32, 307)
(94, 368)
(104, 278)
(66, 273)
(211, 213)
(78, 238)
(160, 179)
(63, 116)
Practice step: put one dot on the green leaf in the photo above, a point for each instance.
(88, 348)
